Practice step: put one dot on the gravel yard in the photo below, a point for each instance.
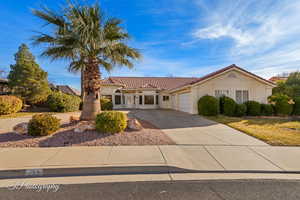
(150, 135)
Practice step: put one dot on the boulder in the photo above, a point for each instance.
(21, 128)
(134, 124)
(85, 126)
(74, 118)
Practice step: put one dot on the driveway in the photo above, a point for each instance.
(187, 129)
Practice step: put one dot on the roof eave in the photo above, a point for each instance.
(225, 71)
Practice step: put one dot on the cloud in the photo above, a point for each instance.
(264, 34)
(252, 24)
(218, 31)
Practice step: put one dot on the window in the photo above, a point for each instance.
(149, 99)
(219, 93)
(157, 99)
(241, 96)
(117, 99)
(140, 99)
(166, 98)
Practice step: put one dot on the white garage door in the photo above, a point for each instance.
(185, 104)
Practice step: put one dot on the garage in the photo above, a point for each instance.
(184, 103)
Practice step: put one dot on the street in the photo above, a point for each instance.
(187, 190)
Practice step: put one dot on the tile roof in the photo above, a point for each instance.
(275, 79)
(221, 71)
(169, 83)
(162, 83)
(68, 90)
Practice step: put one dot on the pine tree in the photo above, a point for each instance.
(27, 79)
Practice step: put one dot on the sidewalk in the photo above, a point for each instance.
(151, 159)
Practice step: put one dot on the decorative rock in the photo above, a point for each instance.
(21, 128)
(85, 126)
(134, 124)
(74, 118)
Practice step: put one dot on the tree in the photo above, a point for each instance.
(293, 82)
(293, 79)
(290, 87)
(27, 79)
(83, 35)
(283, 88)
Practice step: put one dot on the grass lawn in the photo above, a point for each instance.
(273, 131)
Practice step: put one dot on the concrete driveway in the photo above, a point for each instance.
(187, 129)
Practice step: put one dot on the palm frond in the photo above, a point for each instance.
(81, 34)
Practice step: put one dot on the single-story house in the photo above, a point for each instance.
(67, 90)
(183, 93)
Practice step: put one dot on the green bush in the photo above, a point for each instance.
(111, 122)
(106, 104)
(267, 110)
(43, 124)
(229, 106)
(240, 110)
(253, 108)
(10, 104)
(208, 106)
(221, 103)
(296, 110)
(60, 102)
(283, 104)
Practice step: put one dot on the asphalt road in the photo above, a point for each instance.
(183, 190)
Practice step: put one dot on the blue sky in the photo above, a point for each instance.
(177, 37)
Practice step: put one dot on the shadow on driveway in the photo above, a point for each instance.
(170, 119)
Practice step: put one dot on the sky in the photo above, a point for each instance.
(176, 37)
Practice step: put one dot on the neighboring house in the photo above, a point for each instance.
(67, 90)
(4, 89)
(183, 93)
(276, 79)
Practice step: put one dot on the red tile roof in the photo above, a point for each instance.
(275, 79)
(169, 83)
(221, 71)
(163, 83)
(68, 90)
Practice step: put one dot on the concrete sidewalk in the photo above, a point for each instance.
(198, 158)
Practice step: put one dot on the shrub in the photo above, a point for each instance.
(253, 108)
(296, 110)
(106, 104)
(267, 110)
(229, 106)
(60, 102)
(240, 110)
(221, 103)
(43, 124)
(208, 106)
(111, 122)
(283, 104)
(10, 104)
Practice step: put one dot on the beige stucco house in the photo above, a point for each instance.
(183, 93)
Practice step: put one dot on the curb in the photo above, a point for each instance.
(125, 170)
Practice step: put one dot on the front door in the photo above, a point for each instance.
(129, 101)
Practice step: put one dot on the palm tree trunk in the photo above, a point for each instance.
(91, 103)
(82, 84)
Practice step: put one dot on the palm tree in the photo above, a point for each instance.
(83, 35)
